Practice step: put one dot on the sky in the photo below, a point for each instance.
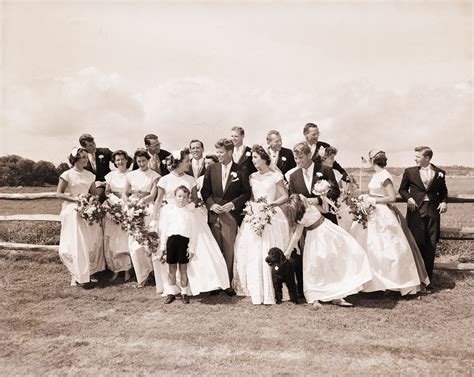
(371, 74)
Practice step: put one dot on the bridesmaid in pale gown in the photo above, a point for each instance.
(207, 270)
(252, 275)
(80, 245)
(390, 255)
(334, 264)
(141, 184)
(116, 252)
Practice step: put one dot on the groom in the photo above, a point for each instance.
(424, 188)
(225, 190)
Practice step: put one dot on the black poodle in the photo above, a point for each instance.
(282, 272)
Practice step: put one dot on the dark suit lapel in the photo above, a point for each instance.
(436, 171)
(244, 156)
(217, 180)
(417, 178)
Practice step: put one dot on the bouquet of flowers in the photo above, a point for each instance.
(321, 187)
(115, 212)
(361, 208)
(135, 213)
(89, 208)
(134, 222)
(259, 213)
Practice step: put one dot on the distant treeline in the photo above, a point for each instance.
(19, 171)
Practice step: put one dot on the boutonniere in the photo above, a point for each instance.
(234, 176)
(101, 156)
(440, 174)
(321, 151)
(283, 158)
(248, 154)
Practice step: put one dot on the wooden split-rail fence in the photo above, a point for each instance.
(447, 233)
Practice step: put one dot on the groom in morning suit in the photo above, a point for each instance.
(225, 190)
(424, 188)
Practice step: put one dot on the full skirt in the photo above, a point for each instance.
(252, 275)
(390, 256)
(116, 252)
(80, 244)
(334, 264)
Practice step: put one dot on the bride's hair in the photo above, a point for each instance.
(296, 208)
(73, 158)
(174, 162)
(258, 149)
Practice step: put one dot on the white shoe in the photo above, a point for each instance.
(317, 305)
(74, 283)
(93, 280)
(341, 302)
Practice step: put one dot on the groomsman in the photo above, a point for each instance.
(157, 155)
(424, 188)
(281, 157)
(98, 162)
(242, 154)
(197, 167)
(225, 190)
(311, 134)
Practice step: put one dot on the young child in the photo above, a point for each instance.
(178, 241)
(334, 264)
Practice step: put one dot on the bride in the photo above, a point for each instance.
(252, 275)
(207, 270)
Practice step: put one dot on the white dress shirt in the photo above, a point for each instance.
(238, 152)
(308, 176)
(92, 161)
(273, 155)
(426, 175)
(197, 166)
(313, 148)
(225, 173)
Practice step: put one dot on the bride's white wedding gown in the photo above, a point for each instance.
(252, 275)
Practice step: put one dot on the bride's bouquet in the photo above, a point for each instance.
(89, 208)
(258, 214)
(321, 187)
(361, 208)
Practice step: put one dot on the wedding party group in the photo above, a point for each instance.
(248, 220)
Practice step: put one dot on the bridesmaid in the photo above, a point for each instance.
(141, 184)
(334, 265)
(115, 238)
(80, 245)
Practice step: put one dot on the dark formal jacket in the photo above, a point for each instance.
(246, 161)
(286, 160)
(315, 157)
(201, 172)
(237, 190)
(413, 187)
(298, 186)
(162, 155)
(103, 157)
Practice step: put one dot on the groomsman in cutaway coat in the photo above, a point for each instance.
(424, 188)
(98, 162)
(281, 157)
(311, 134)
(225, 190)
(197, 167)
(242, 154)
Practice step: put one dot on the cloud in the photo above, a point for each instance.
(354, 116)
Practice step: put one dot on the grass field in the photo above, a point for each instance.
(50, 328)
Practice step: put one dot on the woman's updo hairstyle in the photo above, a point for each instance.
(75, 155)
(378, 157)
(176, 157)
(258, 149)
(141, 152)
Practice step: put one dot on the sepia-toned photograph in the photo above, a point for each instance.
(235, 187)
